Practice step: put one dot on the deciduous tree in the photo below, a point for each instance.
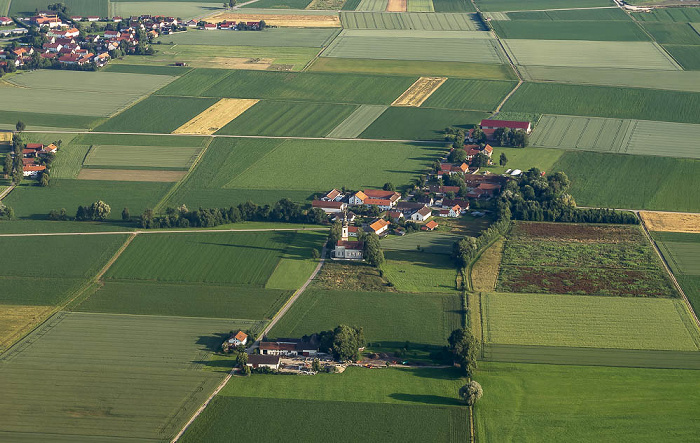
(465, 349)
(471, 392)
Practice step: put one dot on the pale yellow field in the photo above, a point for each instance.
(396, 6)
(17, 319)
(671, 221)
(130, 175)
(5, 137)
(280, 20)
(485, 270)
(216, 116)
(419, 91)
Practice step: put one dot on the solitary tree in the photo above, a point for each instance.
(480, 160)
(316, 365)
(471, 392)
(347, 342)
(373, 251)
(20, 126)
(503, 159)
(45, 179)
(465, 348)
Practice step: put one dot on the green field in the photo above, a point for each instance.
(519, 5)
(145, 69)
(446, 46)
(430, 242)
(420, 272)
(411, 20)
(546, 403)
(145, 387)
(35, 202)
(602, 101)
(281, 4)
(617, 135)
(408, 123)
(195, 82)
(182, 9)
(631, 181)
(372, 5)
(682, 253)
(96, 94)
(357, 122)
(570, 30)
(453, 6)
(420, 6)
(75, 7)
(133, 140)
(585, 321)
(595, 15)
(578, 53)
(527, 158)
(670, 15)
(673, 33)
(292, 119)
(389, 319)
(157, 115)
(686, 55)
(301, 156)
(478, 95)
(185, 300)
(160, 157)
(280, 37)
(37, 120)
(216, 257)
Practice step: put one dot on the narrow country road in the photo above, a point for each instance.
(6, 191)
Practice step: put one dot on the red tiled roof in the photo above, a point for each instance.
(379, 224)
(349, 244)
(377, 202)
(241, 336)
(35, 168)
(432, 224)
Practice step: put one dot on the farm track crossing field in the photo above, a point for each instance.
(144, 387)
(368, 43)
(419, 92)
(578, 53)
(98, 94)
(671, 221)
(404, 123)
(357, 122)
(165, 114)
(387, 318)
(687, 55)
(519, 5)
(673, 33)
(159, 157)
(469, 94)
(420, 6)
(525, 399)
(420, 272)
(605, 101)
(684, 15)
(231, 258)
(277, 37)
(588, 321)
(130, 175)
(617, 135)
(411, 20)
(570, 30)
(294, 119)
(217, 116)
(615, 14)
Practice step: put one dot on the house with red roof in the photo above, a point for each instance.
(5, 21)
(509, 124)
(329, 207)
(238, 339)
(379, 226)
(430, 226)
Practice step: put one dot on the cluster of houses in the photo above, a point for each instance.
(6, 22)
(272, 351)
(31, 158)
(489, 127)
(228, 25)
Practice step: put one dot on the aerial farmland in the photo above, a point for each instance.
(312, 220)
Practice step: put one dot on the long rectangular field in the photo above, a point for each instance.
(411, 21)
(477, 95)
(275, 37)
(159, 157)
(407, 123)
(357, 122)
(518, 5)
(570, 30)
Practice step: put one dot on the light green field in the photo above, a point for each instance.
(432, 242)
(576, 53)
(357, 122)
(409, 20)
(588, 30)
(602, 14)
(617, 135)
(420, 6)
(684, 258)
(180, 9)
(633, 78)
(519, 5)
(420, 271)
(524, 159)
(141, 156)
(683, 15)
(77, 93)
(588, 321)
(372, 5)
(280, 37)
(456, 48)
(480, 95)
(4, 7)
(76, 7)
(145, 387)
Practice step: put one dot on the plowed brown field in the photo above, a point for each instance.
(396, 6)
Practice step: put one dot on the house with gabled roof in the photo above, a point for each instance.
(329, 207)
(238, 339)
(430, 226)
(422, 214)
(379, 226)
(332, 195)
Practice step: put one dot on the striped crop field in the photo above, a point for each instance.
(623, 136)
(570, 30)
(482, 95)
(520, 5)
(683, 257)
(577, 53)
(411, 21)
(607, 14)
(420, 6)
(372, 5)
(683, 15)
(357, 122)
(141, 157)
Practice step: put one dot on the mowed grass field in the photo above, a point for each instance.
(541, 403)
(357, 122)
(411, 20)
(145, 387)
(604, 101)
(420, 272)
(407, 123)
(588, 321)
(145, 157)
(570, 30)
(388, 319)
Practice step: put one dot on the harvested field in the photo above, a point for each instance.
(5, 136)
(485, 270)
(357, 122)
(671, 221)
(216, 117)
(419, 91)
(281, 20)
(396, 6)
(411, 21)
(15, 319)
(130, 175)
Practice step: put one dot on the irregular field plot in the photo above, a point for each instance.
(387, 318)
(357, 122)
(598, 322)
(469, 94)
(217, 116)
(419, 92)
(484, 273)
(577, 53)
(410, 20)
(77, 93)
(141, 156)
(526, 399)
(570, 30)
(144, 387)
(313, 38)
(671, 221)
(409, 123)
(130, 175)
(377, 45)
(291, 119)
(16, 318)
(234, 258)
(420, 272)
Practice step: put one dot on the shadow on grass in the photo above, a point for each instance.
(212, 342)
(426, 399)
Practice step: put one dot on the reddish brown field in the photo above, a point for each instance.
(577, 232)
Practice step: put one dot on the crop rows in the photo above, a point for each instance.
(412, 21)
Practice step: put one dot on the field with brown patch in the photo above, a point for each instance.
(419, 91)
(17, 318)
(396, 6)
(130, 175)
(576, 232)
(280, 20)
(671, 222)
(216, 116)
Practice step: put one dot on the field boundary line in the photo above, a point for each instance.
(174, 231)
(7, 191)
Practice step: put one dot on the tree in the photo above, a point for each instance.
(478, 135)
(9, 213)
(241, 358)
(388, 186)
(125, 214)
(373, 251)
(347, 342)
(99, 210)
(316, 365)
(457, 156)
(464, 251)
(336, 233)
(246, 370)
(7, 167)
(20, 126)
(471, 392)
(45, 179)
(263, 25)
(503, 159)
(465, 349)
(480, 160)
(315, 254)
(520, 139)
